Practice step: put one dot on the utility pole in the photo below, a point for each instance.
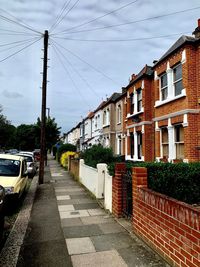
(43, 110)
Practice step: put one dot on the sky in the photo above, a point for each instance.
(94, 47)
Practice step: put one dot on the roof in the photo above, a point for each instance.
(184, 39)
(146, 71)
(10, 156)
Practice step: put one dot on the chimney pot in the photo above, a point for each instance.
(197, 30)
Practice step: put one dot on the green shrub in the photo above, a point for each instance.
(180, 181)
(97, 154)
(64, 148)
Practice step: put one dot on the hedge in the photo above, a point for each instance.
(180, 181)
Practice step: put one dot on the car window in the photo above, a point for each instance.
(9, 167)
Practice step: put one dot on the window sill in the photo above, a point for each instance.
(106, 125)
(163, 102)
(134, 114)
(118, 123)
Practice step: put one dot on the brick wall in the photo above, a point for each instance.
(171, 227)
(74, 167)
(120, 168)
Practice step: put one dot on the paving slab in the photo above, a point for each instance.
(64, 197)
(140, 256)
(111, 241)
(80, 196)
(71, 222)
(94, 212)
(73, 214)
(80, 245)
(101, 219)
(86, 206)
(108, 228)
(75, 201)
(82, 231)
(101, 259)
(65, 207)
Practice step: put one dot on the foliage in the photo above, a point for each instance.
(52, 132)
(26, 137)
(97, 154)
(180, 181)
(7, 132)
(64, 148)
(64, 158)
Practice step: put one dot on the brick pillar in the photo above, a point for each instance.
(139, 178)
(120, 168)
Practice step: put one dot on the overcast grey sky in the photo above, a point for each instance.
(88, 62)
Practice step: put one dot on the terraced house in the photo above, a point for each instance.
(139, 142)
(157, 115)
(177, 101)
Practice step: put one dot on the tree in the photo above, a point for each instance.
(52, 132)
(26, 137)
(7, 132)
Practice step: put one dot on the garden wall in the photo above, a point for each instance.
(169, 226)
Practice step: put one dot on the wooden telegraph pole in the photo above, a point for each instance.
(43, 111)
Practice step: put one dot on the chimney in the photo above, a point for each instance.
(196, 32)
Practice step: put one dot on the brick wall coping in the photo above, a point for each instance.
(175, 209)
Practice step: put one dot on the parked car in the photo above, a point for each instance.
(31, 163)
(13, 177)
(2, 196)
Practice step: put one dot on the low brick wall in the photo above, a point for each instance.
(169, 226)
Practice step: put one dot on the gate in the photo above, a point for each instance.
(127, 203)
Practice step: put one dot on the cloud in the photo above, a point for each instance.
(9, 94)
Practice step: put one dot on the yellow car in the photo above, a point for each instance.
(13, 176)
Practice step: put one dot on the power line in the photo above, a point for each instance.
(132, 22)
(2, 45)
(76, 71)
(20, 50)
(67, 13)
(16, 45)
(100, 17)
(19, 24)
(16, 32)
(84, 61)
(64, 7)
(74, 84)
(17, 19)
(122, 40)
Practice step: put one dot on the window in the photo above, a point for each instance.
(108, 116)
(131, 103)
(104, 117)
(165, 145)
(132, 144)
(179, 141)
(139, 144)
(139, 100)
(119, 114)
(177, 79)
(163, 86)
(119, 145)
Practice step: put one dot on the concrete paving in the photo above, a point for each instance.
(67, 227)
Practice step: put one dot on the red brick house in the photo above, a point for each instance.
(139, 113)
(162, 107)
(177, 101)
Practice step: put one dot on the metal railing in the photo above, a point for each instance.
(127, 199)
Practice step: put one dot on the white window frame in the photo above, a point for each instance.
(164, 88)
(176, 81)
(119, 113)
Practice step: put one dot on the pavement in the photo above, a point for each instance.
(62, 224)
